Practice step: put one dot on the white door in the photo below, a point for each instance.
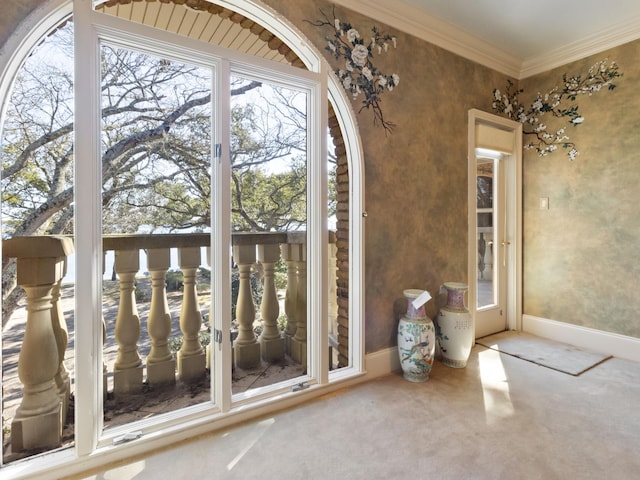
(495, 223)
(492, 244)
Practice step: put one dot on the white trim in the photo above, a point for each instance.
(605, 39)
(620, 346)
(88, 232)
(220, 311)
(382, 362)
(415, 21)
(355, 160)
(513, 233)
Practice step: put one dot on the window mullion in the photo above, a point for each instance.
(87, 184)
(317, 234)
(221, 231)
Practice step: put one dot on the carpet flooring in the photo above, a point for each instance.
(499, 418)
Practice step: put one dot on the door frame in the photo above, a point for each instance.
(505, 136)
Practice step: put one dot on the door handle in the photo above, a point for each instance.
(504, 243)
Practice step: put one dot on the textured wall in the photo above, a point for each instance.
(582, 256)
(13, 12)
(416, 177)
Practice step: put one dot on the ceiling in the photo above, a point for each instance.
(517, 37)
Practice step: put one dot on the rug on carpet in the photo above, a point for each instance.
(547, 353)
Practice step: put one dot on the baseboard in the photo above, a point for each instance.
(382, 362)
(620, 346)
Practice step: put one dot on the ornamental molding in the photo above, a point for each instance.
(415, 22)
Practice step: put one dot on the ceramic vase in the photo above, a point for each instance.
(416, 340)
(455, 326)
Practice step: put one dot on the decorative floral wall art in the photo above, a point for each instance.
(559, 102)
(357, 73)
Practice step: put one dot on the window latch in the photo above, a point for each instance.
(299, 386)
(218, 338)
(127, 437)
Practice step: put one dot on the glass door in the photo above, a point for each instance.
(156, 160)
(208, 203)
(490, 228)
(269, 228)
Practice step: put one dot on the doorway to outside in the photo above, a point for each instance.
(495, 223)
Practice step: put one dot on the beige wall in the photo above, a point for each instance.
(582, 256)
(14, 11)
(416, 177)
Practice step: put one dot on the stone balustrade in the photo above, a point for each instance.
(41, 265)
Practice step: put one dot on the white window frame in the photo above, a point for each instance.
(188, 422)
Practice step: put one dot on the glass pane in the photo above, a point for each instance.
(156, 144)
(486, 290)
(269, 222)
(37, 200)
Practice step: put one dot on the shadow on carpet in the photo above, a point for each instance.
(541, 351)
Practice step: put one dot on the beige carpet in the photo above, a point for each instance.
(500, 418)
(557, 356)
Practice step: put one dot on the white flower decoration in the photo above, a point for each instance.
(352, 35)
(359, 74)
(599, 77)
(359, 55)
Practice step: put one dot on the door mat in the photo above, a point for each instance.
(547, 353)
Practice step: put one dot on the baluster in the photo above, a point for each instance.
(38, 419)
(271, 343)
(127, 373)
(299, 341)
(191, 357)
(161, 365)
(211, 323)
(105, 372)
(246, 348)
(61, 333)
(290, 256)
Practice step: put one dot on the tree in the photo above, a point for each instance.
(156, 149)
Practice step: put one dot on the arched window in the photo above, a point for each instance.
(199, 139)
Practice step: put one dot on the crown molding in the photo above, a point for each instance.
(611, 37)
(415, 22)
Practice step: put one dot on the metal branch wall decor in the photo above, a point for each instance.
(543, 139)
(357, 73)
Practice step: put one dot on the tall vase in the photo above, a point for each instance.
(416, 340)
(455, 327)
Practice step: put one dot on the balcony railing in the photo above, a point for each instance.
(41, 267)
